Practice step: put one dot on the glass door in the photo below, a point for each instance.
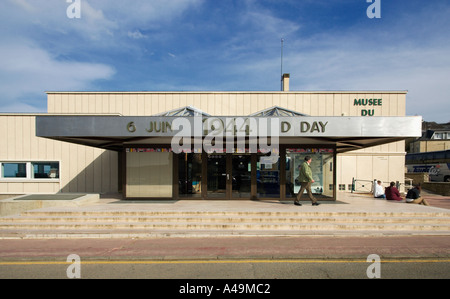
(241, 176)
(268, 176)
(189, 175)
(217, 176)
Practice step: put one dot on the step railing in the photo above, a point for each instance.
(360, 185)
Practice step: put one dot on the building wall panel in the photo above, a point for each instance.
(18, 130)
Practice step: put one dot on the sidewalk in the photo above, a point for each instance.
(436, 200)
(347, 202)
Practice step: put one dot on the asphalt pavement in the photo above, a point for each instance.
(297, 247)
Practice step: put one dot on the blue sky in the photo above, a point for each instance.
(225, 45)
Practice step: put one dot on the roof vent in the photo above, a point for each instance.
(285, 80)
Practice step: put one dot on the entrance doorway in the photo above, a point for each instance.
(217, 176)
(190, 175)
(241, 176)
(229, 176)
(252, 176)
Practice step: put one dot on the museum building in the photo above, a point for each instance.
(205, 145)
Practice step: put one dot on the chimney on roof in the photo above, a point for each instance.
(285, 81)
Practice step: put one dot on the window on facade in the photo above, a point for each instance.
(438, 136)
(189, 175)
(14, 170)
(321, 167)
(268, 176)
(29, 170)
(45, 170)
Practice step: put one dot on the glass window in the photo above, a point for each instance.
(45, 170)
(438, 136)
(14, 170)
(321, 167)
(217, 175)
(268, 176)
(189, 175)
(242, 174)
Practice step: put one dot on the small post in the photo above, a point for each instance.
(353, 184)
(282, 41)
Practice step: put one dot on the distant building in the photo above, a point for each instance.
(435, 137)
(430, 154)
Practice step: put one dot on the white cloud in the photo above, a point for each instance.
(27, 70)
(39, 41)
(103, 23)
(143, 12)
(136, 34)
(24, 4)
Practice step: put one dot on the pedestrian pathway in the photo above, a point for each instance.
(436, 200)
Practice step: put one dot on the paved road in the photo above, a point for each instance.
(228, 248)
(231, 257)
(436, 268)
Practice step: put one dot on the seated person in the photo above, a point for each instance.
(379, 191)
(392, 192)
(413, 196)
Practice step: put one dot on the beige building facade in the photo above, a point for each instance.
(422, 146)
(148, 167)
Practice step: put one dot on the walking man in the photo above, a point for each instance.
(305, 179)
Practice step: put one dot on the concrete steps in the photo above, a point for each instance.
(135, 223)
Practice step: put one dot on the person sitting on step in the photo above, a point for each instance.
(392, 192)
(379, 191)
(413, 196)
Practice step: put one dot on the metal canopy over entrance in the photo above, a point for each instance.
(152, 168)
(115, 132)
